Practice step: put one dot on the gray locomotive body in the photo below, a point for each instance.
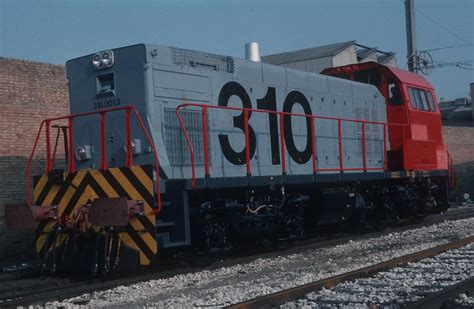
(157, 79)
(231, 200)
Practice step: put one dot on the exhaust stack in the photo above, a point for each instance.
(252, 52)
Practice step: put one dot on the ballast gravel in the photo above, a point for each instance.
(228, 285)
(395, 287)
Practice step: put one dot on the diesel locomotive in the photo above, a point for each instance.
(172, 148)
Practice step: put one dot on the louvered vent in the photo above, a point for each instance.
(202, 60)
(373, 134)
(176, 146)
(377, 133)
(359, 116)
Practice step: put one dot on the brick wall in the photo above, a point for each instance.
(29, 92)
(460, 142)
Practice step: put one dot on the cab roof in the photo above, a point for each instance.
(403, 76)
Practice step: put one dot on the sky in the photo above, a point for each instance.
(57, 30)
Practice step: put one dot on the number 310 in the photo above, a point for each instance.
(266, 103)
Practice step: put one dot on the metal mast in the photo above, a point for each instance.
(411, 35)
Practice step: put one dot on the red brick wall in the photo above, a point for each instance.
(29, 92)
(460, 142)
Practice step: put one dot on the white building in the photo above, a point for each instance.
(316, 59)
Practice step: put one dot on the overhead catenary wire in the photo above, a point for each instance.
(447, 47)
(464, 68)
(442, 26)
(459, 64)
(432, 20)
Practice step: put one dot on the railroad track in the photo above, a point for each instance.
(395, 283)
(37, 290)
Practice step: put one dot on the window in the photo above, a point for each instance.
(394, 94)
(421, 99)
(420, 94)
(414, 102)
(431, 102)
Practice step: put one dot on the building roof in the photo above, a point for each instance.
(307, 53)
(385, 58)
(365, 52)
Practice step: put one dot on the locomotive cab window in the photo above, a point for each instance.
(414, 102)
(431, 101)
(420, 94)
(421, 99)
(394, 93)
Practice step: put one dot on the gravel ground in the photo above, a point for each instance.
(397, 286)
(237, 283)
(464, 300)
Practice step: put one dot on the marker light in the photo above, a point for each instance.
(83, 153)
(135, 147)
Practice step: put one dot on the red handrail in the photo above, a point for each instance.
(246, 111)
(282, 145)
(103, 160)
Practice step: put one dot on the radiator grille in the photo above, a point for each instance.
(176, 146)
(373, 134)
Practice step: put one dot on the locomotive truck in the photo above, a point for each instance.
(172, 148)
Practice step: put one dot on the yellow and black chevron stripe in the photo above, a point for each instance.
(83, 186)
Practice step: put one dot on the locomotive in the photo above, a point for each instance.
(169, 148)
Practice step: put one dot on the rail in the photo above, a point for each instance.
(280, 297)
(129, 110)
(204, 108)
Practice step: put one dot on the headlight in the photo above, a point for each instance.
(96, 61)
(102, 60)
(81, 153)
(108, 58)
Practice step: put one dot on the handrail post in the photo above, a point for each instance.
(71, 146)
(385, 147)
(128, 143)
(313, 145)
(48, 148)
(247, 142)
(205, 141)
(282, 142)
(155, 156)
(28, 165)
(103, 155)
(364, 149)
(56, 142)
(339, 138)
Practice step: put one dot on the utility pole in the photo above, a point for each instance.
(411, 35)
